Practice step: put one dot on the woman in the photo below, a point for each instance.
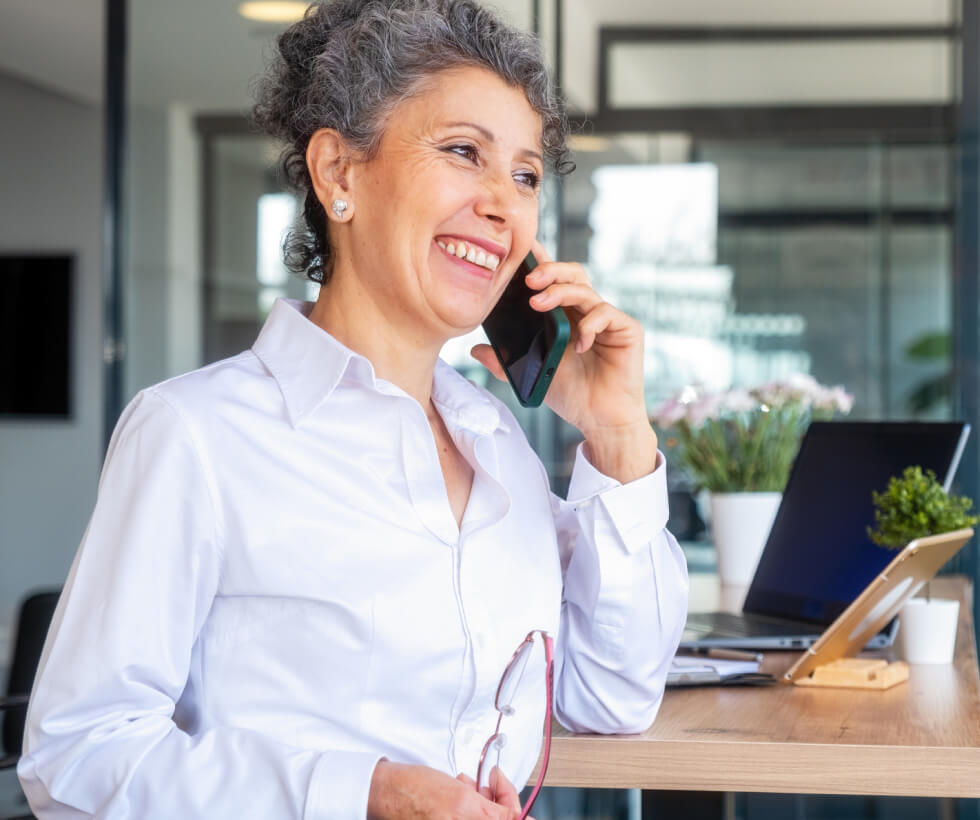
(309, 564)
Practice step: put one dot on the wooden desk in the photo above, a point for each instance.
(919, 738)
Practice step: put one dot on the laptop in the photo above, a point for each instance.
(818, 557)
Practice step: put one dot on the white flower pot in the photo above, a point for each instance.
(740, 524)
(927, 630)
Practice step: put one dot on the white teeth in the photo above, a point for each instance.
(471, 254)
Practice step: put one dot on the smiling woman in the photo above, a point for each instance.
(309, 564)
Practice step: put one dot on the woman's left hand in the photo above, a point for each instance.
(506, 794)
(598, 386)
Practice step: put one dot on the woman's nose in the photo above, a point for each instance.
(499, 198)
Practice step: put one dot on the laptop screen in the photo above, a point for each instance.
(819, 557)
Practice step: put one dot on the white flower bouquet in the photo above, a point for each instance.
(743, 440)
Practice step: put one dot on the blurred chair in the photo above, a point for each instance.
(33, 621)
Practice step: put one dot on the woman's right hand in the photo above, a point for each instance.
(404, 792)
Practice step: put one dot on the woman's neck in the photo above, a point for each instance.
(357, 321)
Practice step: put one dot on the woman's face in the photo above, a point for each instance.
(448, 208)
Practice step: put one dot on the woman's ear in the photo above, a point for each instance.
(328, 161)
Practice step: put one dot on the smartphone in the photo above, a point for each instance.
(528, 343)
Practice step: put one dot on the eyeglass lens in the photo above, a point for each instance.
(491, 761)
(510, 682)
(507, 692)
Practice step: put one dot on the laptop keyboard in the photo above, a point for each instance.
(745, 625)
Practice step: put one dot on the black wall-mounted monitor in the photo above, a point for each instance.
(35, 335)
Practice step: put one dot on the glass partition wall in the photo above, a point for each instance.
(246, 215)
(752, 259)
(767, 199)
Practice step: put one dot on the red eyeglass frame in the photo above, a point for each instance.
(549, 654)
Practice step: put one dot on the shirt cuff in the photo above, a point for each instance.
(638, 510)
(340, 785)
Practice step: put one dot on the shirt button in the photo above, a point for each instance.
(468, 736)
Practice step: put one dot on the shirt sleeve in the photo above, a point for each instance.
(101, 737)
(625, 600)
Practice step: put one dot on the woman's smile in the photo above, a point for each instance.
(475, 258)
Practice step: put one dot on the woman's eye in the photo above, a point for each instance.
(465, 151)
(529, 179)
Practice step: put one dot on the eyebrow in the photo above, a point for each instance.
(489, 137)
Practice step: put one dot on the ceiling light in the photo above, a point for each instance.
(273, 11)
(588, 142)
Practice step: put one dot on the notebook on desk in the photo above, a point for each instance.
(704, 671)
(818, 557)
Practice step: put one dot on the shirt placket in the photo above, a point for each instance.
(489, 502)
(427, 492)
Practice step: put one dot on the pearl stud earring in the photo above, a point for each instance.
(338, 207)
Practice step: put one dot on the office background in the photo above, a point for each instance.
(769, 186)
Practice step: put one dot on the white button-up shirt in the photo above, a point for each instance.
(273, 593)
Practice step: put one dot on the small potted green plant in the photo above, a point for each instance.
(915, 505)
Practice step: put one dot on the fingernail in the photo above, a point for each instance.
(540, 298)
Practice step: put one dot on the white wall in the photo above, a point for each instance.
(51, 200)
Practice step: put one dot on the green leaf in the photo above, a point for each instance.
(930, 346)
(916, 505)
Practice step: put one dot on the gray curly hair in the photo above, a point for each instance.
(348, 63)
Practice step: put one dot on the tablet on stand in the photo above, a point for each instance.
(831, 662)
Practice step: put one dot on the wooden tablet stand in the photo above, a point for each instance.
(857, 673)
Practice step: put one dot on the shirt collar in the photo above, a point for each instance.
(306, 361)
(463, 405)
(308, 364)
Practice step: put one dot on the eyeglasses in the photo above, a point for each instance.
(504, 704)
